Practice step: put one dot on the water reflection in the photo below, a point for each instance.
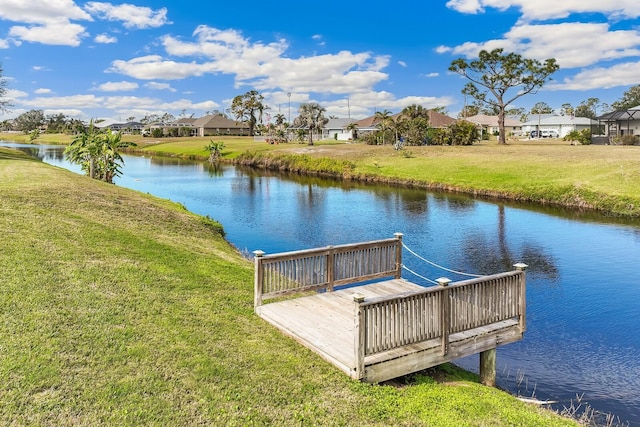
(583, 295)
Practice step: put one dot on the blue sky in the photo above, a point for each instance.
(118, 60)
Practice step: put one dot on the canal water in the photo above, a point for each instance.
(583, 290)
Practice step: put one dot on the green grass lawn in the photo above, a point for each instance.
(118, 308)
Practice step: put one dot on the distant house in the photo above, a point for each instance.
(213, 125)
(558, 126)
(490, 124)
(620, 123)
(337, 129)
(126, 128)
(436, 120)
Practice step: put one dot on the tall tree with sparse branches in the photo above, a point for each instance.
(5, 103)
(630, 99)
(497, 79)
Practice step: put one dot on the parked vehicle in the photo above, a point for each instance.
(552, 133)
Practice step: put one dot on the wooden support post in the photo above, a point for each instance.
(522, 298)
(331, 260)
(488, 367)
(359, 331)
(445, 311)
(398, 255)
(258, 280)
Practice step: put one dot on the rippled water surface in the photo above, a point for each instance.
(583, 289)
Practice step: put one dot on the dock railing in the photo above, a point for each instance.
(287, 273)
(390, 322)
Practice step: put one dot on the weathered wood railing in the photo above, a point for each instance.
(386, 323)
(288, 273)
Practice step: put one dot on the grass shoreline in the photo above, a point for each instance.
(124, 309)
(604, 179)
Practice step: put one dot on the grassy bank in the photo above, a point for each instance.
(594, 177)
(122, 309)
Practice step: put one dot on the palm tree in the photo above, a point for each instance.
(414, 111)
(111, 160)
(97, 152)
(384, 122)
(413, 124)
(84, 149)
(311, 117)
(246, 107)
(353, 127)
(280, 126)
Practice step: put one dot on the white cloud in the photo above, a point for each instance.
(597, 78)
(402, 64)
(62, 34)
(40, 68)
(49, 21)
(160, 86)
(552, 9)
(42, 91)
(4, 44)
(72, 101)
(264, 66)
(154, 67)
(132, 16)
(42, 11)
(15, 94)
(117, 86)
(466, 6)
(432, 75)
(105, 39)
(573, 44)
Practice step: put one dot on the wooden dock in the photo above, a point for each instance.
(392, 327)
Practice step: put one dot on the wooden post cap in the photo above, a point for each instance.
(258, 253)
(443, 281)
(358, 297)
(520, 266)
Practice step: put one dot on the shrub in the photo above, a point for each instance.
(628, 140)
(575, 136)
(463, 133)
(441, 136)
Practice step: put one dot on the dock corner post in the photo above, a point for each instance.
(398, 236)
(258, 278)
(359, 331)
(445, 311)
(522, 302)
(331, 273)
(488, 367)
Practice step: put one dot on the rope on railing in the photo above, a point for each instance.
(420, 276)
(438, 266)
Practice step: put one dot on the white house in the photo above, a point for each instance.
(337, 129)
(557, 125)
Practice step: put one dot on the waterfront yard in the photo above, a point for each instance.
(119, 308)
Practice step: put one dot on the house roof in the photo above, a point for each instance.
(218, 121)
(630, 114)
(439, 120)
(486, 120)
(185, 121)
(436, 120)
(338, 123)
